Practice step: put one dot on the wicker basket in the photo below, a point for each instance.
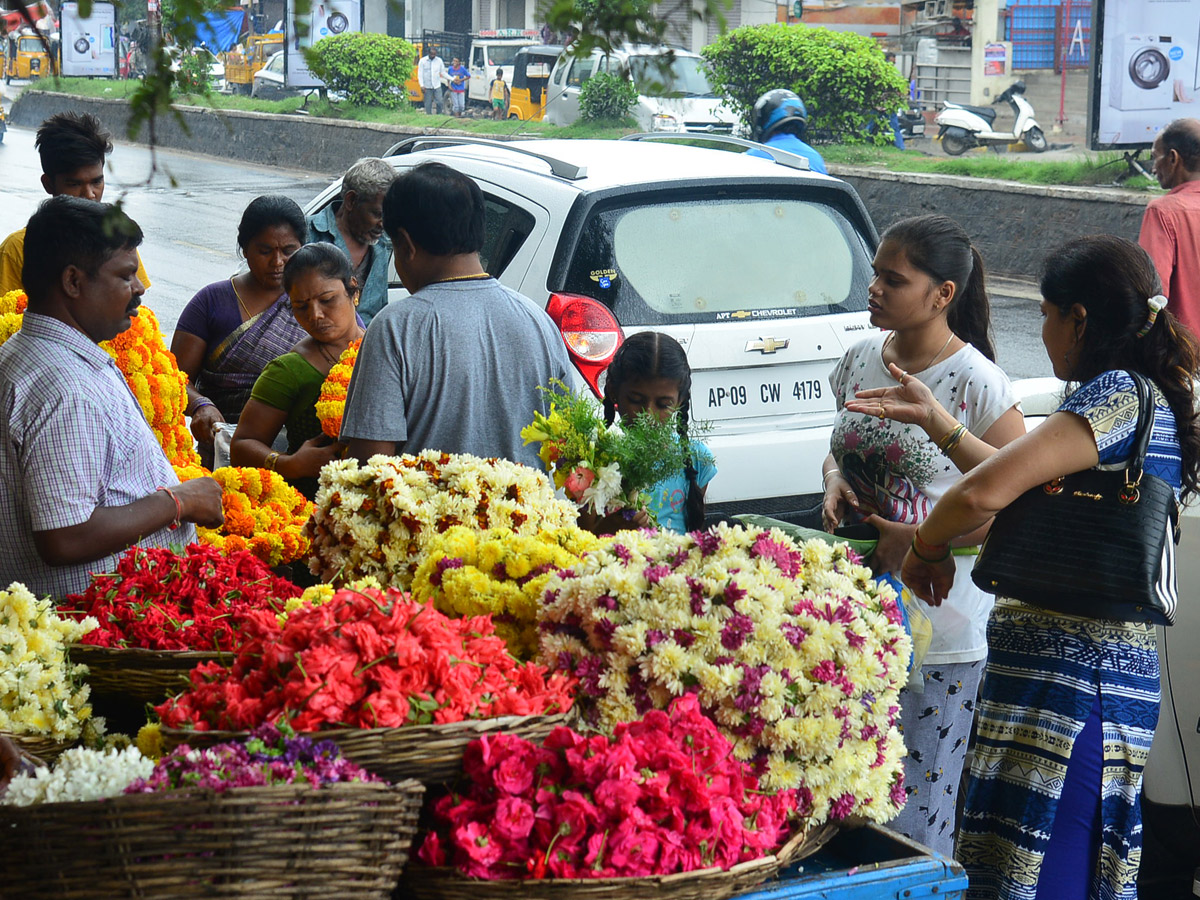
(423, 883)
(145, 676)
(432, 754)
(342, 842)
(46, 749)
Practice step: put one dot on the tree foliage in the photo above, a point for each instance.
(843, 78)
(193, 76)
(369, 68)
(606, 97)
(607, 24)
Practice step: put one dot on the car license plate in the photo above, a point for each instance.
(761, 391)
(918, 128)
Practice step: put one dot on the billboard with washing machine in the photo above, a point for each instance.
(307, 26)
(89, 46)
(1147, 70)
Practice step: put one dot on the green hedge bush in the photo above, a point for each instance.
(843, 78)
(369, 68)
(607, 98)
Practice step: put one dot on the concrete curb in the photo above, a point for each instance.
(1014, 225)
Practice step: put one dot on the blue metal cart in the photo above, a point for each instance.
(868, 863)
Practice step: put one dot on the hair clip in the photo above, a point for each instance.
(1157, 303)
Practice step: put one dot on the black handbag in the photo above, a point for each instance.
(1098, 543)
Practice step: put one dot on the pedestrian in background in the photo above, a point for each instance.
(1171, 224)
(431, 74)
(900, 441)
(459, 77)
(500, 95)
(1070, 702)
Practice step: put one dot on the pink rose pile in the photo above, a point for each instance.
(663, 795)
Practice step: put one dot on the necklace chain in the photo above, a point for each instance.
(478, 277)
(241, 304)
(332, 360)
(891, 339)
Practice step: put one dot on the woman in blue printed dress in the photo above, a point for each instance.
(1069, 703)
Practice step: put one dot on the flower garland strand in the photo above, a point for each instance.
(365, 659)
(499, 573)
(41, 693)
(792, 650)
(263, 514)
(331, 403)
(158, 599)
(378, 518)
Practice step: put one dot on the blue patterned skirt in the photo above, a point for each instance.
(1044, 673)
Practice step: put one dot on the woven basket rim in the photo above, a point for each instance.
(468, 725)
(128, 654)
(802, 843)
(265, 792)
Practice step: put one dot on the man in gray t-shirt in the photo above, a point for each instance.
(456, 366)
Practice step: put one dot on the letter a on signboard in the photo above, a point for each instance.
(1077, 39)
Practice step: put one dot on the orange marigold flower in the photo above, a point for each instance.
(331, 403)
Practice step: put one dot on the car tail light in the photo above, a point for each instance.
(590, 331)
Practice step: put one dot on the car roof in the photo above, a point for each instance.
(615, 164)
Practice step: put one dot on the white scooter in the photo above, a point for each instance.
(964, 127)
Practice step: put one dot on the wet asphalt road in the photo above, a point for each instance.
(190, 228)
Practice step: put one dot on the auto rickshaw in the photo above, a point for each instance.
(531, 74)
(242, 62)
(25, 56)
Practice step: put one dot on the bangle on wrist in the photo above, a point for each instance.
(178, 506)
(196, 405)
(825, 477)
(271, 460)
(951, 439)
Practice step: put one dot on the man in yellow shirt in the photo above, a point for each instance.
(72, 148)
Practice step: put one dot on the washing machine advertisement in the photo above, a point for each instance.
(89, 46)
(310, 24)
(1147, 70)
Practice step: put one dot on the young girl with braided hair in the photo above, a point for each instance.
(650, 373)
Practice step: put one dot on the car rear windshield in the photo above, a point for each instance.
(660, 76)
(733, 257)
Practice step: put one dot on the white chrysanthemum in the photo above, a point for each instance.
(79, 775)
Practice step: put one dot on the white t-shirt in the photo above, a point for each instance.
(899, 473)
(430, 72)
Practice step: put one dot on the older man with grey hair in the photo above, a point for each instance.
(354, 224)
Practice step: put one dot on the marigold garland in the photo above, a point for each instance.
(263, 514)
(332, 401)
(499, 573)
(12, 308)
(378, 518)
(150, 370)
(156, 381)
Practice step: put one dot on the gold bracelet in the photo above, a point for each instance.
(269, 462)
(950, 440)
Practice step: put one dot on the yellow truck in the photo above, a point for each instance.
(243, 61)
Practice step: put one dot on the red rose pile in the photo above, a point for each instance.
(365, 659)
(161, 600)
(663, 795)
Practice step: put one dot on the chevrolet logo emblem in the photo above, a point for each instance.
(767, 345)
(740, 314)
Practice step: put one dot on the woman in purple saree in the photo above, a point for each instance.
(231, 329)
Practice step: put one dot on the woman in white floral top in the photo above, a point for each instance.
(919, 404)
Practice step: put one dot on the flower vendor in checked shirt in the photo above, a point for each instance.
(82, 476)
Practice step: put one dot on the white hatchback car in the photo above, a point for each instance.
(758, 268)
(674, 93)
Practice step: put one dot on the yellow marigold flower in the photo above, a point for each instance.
(150, 740)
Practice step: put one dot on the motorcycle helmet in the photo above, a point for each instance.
(773, 109)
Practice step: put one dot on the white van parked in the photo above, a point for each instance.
(674, 93)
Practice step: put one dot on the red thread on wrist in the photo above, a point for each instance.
(178, 507)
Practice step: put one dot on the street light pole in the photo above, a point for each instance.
(984, 31)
